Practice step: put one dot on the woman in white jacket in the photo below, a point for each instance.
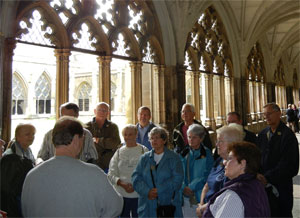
(121, 167)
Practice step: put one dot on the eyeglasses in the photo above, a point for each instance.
(268, 114)
(219, 141)
(154, 138)
(102, 110)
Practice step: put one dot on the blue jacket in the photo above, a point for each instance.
(200, 164)
(145, 140)
(168, 179)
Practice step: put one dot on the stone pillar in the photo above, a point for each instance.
(159, 95)
(209, 103)
(221, 99)
(9, 46)
(136, 88)
(248, 104)
(181, 92)
(62, 77)
(196, 93)
(104, 79)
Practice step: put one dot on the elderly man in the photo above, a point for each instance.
(65, 186)
(144, 126)
(105, 133)
(235, 117)
(180, 140)
(280, 158)
(88, 153)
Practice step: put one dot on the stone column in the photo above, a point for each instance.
(62, 77)
(159, 94)
(104, 79)
(221, 99)
(196, 93)
(9, 46)
(248, 104)
(180, 92)
(136, 88)
(209, 103)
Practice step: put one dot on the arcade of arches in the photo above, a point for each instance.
(221, 56)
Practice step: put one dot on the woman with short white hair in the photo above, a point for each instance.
(197, 165)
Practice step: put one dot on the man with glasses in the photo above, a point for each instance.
(180, 140)
(280, 159)
(105, 134)
(88, 152)
(235, 117)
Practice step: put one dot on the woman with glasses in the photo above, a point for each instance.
(243, 195)
(158, 178)
(216, 178)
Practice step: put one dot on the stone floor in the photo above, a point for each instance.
(296, 208)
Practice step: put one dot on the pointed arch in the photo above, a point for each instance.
(42, 91)
(19, 94)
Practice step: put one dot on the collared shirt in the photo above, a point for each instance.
(228, 204)
(142, 130)
(88, 152)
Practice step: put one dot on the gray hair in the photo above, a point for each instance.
(232, 133)
(103, 103)
(190, 105)
(273, 105)
(197, 130)
(163, 133)
(130, 127)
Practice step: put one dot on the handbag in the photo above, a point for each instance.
(164, 210)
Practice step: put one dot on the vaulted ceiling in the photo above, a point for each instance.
(275, 24)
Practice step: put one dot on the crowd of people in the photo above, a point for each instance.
(88, 172)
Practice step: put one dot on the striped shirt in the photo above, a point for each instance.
(228, 204)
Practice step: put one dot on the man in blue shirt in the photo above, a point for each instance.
(144, 126)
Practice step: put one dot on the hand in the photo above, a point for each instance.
(200, 209)
(262, 179)
(126, 186)
(152, 194)
(187, 191)
(96, 140)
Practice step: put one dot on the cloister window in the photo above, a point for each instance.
(255, 74)
(43, 95)
(209, 69)
(114, 46)
(280, 91)
(84, 97)
(18, 96)
(295, 88)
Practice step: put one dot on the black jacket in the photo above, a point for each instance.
(178, 139)
(280, 162)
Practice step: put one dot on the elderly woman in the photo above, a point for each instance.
(158, 178)
(24, 136)
(16, 162)
(197, 165)
(243, 195)
(216, 178)
(121, 167)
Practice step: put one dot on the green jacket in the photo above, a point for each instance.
(108, 143)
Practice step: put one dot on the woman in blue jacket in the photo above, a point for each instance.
(197, 165)
(158, 177)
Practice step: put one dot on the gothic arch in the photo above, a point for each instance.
(96, 32)
(59, 36)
